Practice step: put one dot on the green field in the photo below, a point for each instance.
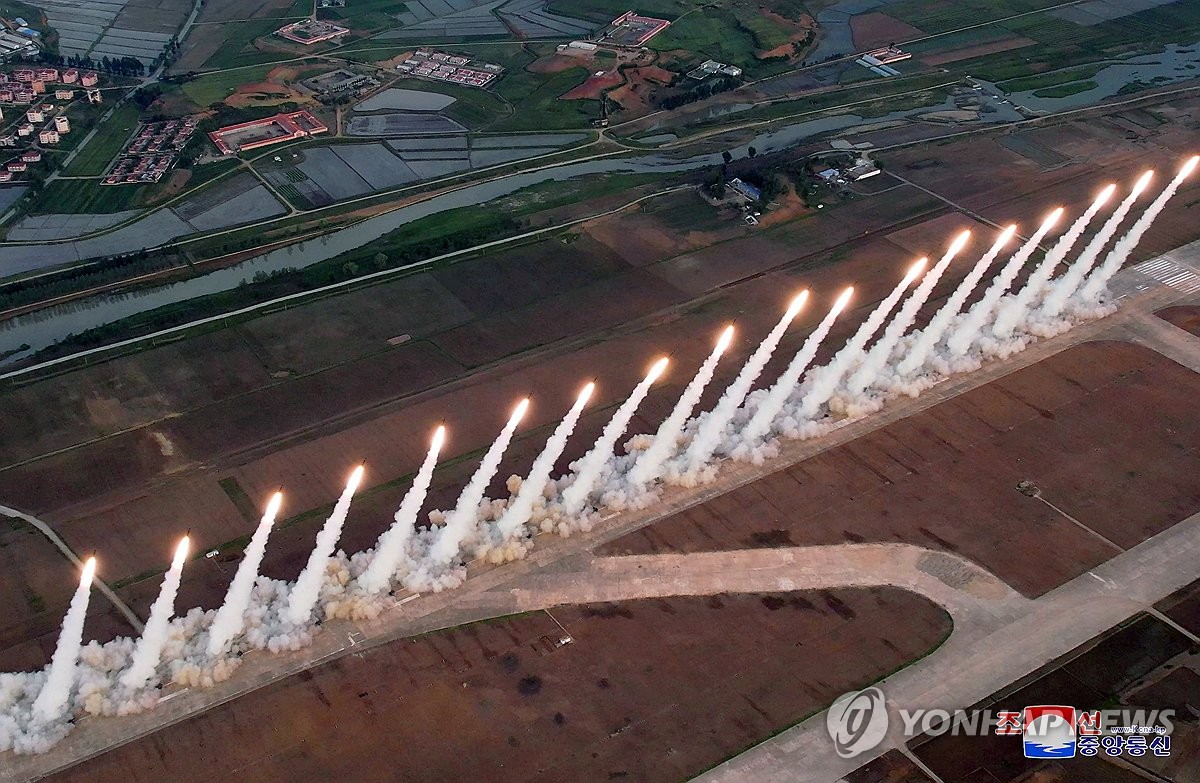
(214, 87)
(239, 49)
(1051, 79)
(1063, 45)
(108, 141)
(77, 196)
(942, 17)
(1063, 90)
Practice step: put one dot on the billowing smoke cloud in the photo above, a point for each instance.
(1012, 311)
(879, 354)
(389, 550)
(1125, 245)
(461, 520)
(1061, 289)
(932, 334)
(966, 333)
(148, 652)
(60, 679)
(307, 590)
(825, 381)
(712, 427)
(534, 485)
(230, 616)
(778, 394)
(589, 466)
(649, 464)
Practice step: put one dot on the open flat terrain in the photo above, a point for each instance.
(698, 678)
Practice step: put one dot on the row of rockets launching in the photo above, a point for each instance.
(36, 708)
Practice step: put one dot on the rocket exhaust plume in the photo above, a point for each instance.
(307, 589)
(778, 394)
(712, 427)
(521, 507)
(826, 380)
(1125, 245)
(931, 334)
(461, 520)
(230, 617)
(390, 547)
(587, 470)
(1061, 289)
(663, 446)
(1011, 312)
(56, 692)
(975, 318)
(882, 350)
(149, 647)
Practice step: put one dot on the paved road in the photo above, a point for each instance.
(971, 666)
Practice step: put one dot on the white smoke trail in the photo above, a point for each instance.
(587, 469)
(149, 647)
(1012, 311)
(777, 395)
(60, 679)
(389, 550)
(230, 616)
(1061, 289)
(1125, 245)
(972, 324)
(879, 354)
(712, 427)
(932, 334)
(462, 519)
(307, 589)
(650, 462)
(521, 507)
(826, 379)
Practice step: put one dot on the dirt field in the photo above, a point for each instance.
(653, 690)
(874, 29)
(1186, 318)
(640, 83)
(978, 50)
(594, 86)
(947, 477)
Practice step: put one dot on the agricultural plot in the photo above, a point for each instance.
(406, 100)
(424, 19)
(240, 199)
(401, 124)
(115, 28)
(42, 228)
(333, 173)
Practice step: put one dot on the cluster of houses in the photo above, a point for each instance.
(25, 84)
(41, 123)
(152, 152)
(449, 68)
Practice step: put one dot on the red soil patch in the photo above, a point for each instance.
(978, 50)
(634, 95)
(875, 29)
(595, 86)
(801, 27)
(554, 63)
